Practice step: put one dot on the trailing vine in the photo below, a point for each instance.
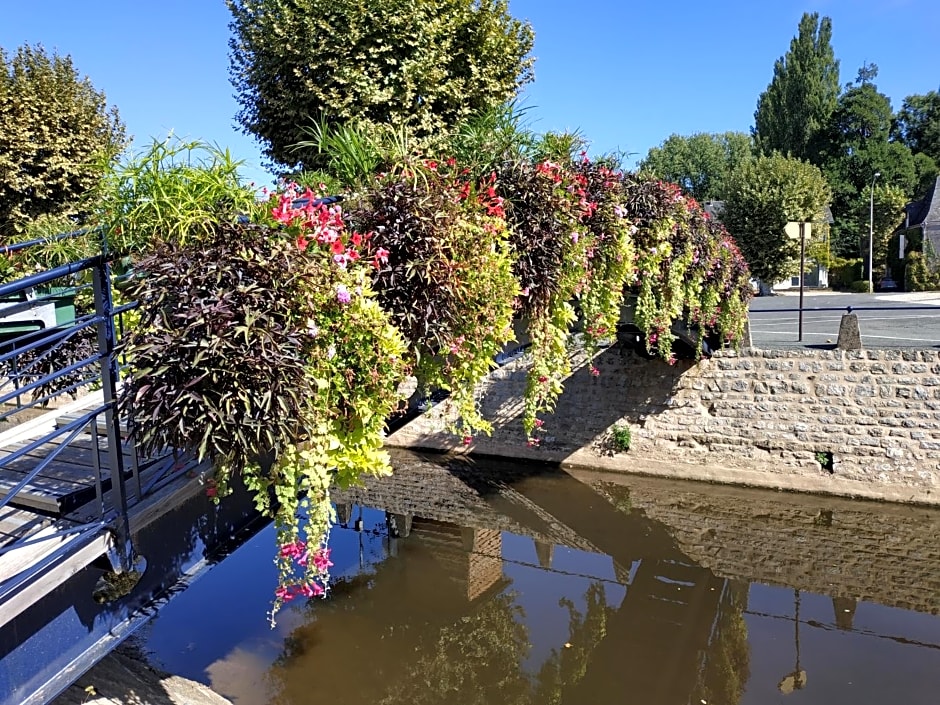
(448, 281)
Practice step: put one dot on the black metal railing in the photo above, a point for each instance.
(47, 356)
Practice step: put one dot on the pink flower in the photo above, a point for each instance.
(284, 594)
(594, 371)
(467, 440)
(296, 549)
(539, 423)
(321, 559)
(302, 243)
(342, 294)
(312, 590)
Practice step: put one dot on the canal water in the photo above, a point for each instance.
(472, 583)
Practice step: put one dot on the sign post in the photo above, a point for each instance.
(793, 231)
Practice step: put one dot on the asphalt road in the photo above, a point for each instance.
(889, 320)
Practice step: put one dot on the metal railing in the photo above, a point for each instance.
(42, 365)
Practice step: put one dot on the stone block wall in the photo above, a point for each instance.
(859, 423)
(876, 552)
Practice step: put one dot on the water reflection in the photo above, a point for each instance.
(477, 585)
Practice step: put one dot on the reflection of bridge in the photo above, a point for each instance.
(655, 643)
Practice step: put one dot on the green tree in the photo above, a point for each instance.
(918, 124)
(422, 65)
(855, 146)
(764, 195)
(56, 136)
(701, 163)
(802, 95)
(883, 211)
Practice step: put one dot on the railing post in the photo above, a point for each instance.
(109, 383)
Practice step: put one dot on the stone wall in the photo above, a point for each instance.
(864, 551)
(857, 423)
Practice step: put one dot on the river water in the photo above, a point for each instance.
(483, 583)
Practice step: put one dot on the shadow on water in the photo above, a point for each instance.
(45, 639)
(479, 582)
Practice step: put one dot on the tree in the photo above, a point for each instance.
(56, 135)
(918, 124)
(855, 146)
(882, 211)
(423, 66)
(802, 95)
(701, 163)
(764, 195)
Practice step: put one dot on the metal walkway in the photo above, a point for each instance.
(73, 491)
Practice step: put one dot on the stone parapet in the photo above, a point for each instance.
(850, 422)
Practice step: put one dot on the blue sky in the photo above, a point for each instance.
(627, 74)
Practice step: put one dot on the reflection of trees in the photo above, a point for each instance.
(476, 660)
(568, 665)
(728, 663)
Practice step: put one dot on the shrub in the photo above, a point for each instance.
(448, 282)
(844, 271)
(622, 437)
(859, 286)
(545, 205)
(264, 341)
(918, 276)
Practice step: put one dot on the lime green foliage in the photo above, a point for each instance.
(622, 437)
(687, 268)
(448, 283)
(610, 265)
(175, 192)
(918, 276)
(51, 253)
(424, 66)
(765, 194)
(57, 136)
(545, 205)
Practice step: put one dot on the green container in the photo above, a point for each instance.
(21, 314)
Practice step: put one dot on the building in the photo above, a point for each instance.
(925, 216)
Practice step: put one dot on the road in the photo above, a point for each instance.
(888, 320)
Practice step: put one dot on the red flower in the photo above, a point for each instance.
(338, 248)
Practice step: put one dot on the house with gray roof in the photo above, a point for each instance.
(925, 215)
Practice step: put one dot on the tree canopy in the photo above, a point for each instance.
(701, 163)
(764, 195)
(802, 95)
(918, 124)
(421, 65)
(56, 135)
(855, 146)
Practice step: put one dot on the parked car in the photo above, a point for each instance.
(886, 283)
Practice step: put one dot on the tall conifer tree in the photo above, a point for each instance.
(802, 95)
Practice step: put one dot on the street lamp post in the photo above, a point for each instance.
(871, 235)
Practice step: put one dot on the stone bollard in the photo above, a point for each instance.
(746, 341)
(850, 337)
